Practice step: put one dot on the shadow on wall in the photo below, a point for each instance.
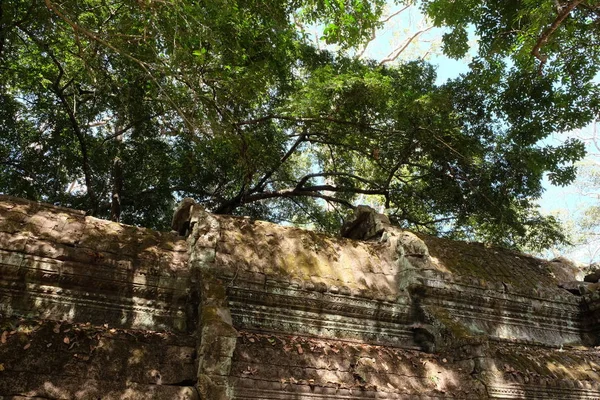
(91, 308)
(59, 360)
(65, 266)
(312, 284)
(306, 366)
(467, 303)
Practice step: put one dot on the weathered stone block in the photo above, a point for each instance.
(14, 241)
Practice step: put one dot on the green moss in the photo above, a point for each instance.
(212, 321)
(210, 315)
(212, 288)
(456, 329)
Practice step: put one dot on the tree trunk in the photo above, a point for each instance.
(117, 179)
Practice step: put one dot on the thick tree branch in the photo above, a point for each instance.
(543, 39)
(287, 155)
(305, 178)
(310, 191)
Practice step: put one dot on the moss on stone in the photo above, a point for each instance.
(456, 331)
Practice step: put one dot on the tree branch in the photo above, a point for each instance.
(374, 32)
(59, 91)
(289, 193)
(311, 119)
(427, 224)
(331, 188)
(18, 168)
(543, 39)
(5, 28)
(310, 191)
(305, 178)
(87, 171)
(388, 182)
(78, 29)
(121, 131)
(117, 181)
(392, 15)
(287, 155)
(396, 52)
(307, 211)
(360, 151)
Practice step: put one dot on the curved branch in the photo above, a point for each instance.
(287, 193)
(543, 39)
(311, 191)
(318, 174)
(399, 50)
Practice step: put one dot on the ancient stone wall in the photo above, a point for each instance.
(92, 309)
(246, 309)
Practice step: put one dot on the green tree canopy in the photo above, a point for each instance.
(121, 107)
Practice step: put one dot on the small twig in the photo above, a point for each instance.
(396, 52)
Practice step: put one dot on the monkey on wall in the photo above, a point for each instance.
(181, 217)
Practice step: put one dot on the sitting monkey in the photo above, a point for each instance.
(181, 217)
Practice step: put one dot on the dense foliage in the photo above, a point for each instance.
(122, 107)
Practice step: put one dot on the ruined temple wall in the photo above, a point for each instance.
(353, 289)
(57, 263)
(501, 294)
(401, 316)
(244, 309)
(393, 283)
(91, 308)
